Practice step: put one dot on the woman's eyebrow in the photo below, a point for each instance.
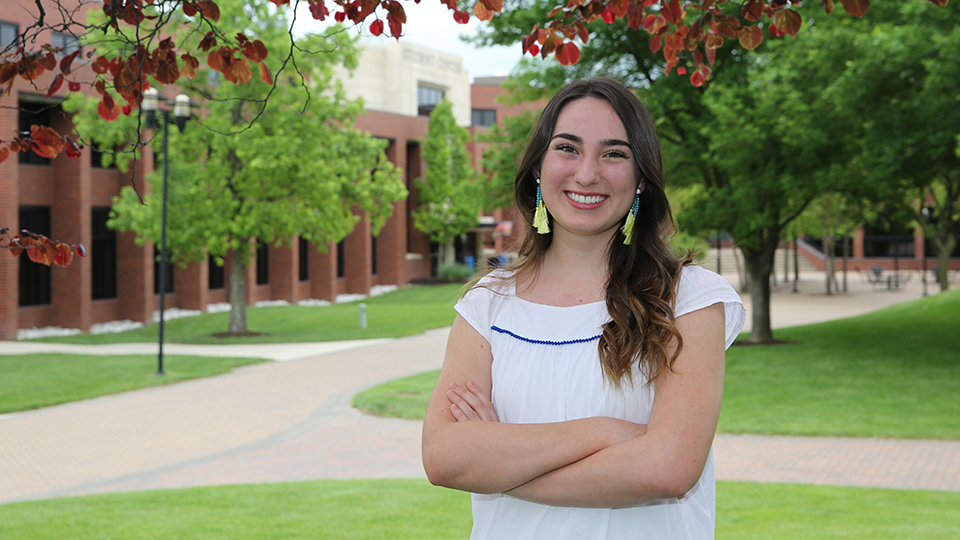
(579, 140)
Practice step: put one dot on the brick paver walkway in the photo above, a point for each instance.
(292, 421)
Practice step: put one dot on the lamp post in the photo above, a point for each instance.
(181, 113)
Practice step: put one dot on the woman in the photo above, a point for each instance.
(581, 388)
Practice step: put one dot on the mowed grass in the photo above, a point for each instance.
(31, 381)
(413, 509)
(404, 312)
(892, 373)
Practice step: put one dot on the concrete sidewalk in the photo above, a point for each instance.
(292, 420)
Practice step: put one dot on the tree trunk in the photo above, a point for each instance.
(945, 245)
(759, 263)
(846, 256)
(449, 253)
(238, 292)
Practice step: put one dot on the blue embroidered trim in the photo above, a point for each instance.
(543, 341)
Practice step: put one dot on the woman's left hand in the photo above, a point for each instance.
(470, 403)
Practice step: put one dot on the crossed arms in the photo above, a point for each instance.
(591, 462)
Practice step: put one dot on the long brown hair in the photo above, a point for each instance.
(641, 290)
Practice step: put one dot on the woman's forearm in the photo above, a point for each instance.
(491, 457)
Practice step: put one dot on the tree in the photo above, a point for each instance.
(502, 157)
(449, 201)
(300, 170)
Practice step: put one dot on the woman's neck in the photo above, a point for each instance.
(573, 271)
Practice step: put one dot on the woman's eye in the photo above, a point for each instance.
(565, 148)
(617, 154)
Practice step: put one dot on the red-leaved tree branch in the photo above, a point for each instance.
(39, 248)
(143, 53)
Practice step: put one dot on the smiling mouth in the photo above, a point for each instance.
(584, 199)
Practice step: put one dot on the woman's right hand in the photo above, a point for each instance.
(470, 403)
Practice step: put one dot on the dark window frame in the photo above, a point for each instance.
(216, 278)
(483, 117)
(35, 281)
(303, 260)
(341, 267)
(33, 113)
(427, 99)
(263, 264)
(103, 255)
(9, 32)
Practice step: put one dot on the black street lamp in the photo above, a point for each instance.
(181, 113)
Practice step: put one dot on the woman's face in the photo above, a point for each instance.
(588, 177)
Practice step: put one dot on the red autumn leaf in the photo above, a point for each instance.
(827, 6)
(618, 8)
(126, 109)
(238, 72)
(775, 31)
(71, 147)
(711, 55)
(319, 10)
(190, 65)
(750, 37)
(376, 27)
(107, 108)
(55, 85)
(681, 71)
(42, 251)
(265, 75)
(462, 17)
(73, 86)
(80, 250)
(714, 41)
(608, 16)
(4, 153)
(67, 61)
(208, 42)
(220, 58)
(789, 21)
(673, 12)
(46, 141)
(582, 31)
(168, 72)
(752, 11)
(493, 5)
(568, 54)
(100, 65)
(256, 51)
(654, 43)
(729, 28)
(210, 9)
(653, 23)
(64, 255)
(696, 79)
(16, 245)
(280, 3)
(857, 8)
(481, 12)
(190, 9)
(7, 72)
(634, 16)
(340, 16)
(549, 45)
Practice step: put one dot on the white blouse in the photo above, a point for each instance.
(546, 368)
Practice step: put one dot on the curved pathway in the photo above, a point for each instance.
(292, 420)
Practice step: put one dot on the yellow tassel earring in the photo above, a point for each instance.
(631, 217)
(540, 216)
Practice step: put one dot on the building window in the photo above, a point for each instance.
(263, 264)
(304, 260)
(103, 256)
(34, 280)
(427, 99)
(373, 255)
(67, 42)
(483, 117)
(156, 272)
(214, 274)
(340, 266)
(33, 114)
(8, 33)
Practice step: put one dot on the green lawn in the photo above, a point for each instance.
(404, 312)
(412, 509)
(31, 381)
(892, 373)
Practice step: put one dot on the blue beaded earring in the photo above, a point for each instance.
(627, 229)
(540, 215)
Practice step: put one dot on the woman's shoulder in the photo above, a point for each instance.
(700, 287)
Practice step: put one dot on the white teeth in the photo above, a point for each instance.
(583, 199)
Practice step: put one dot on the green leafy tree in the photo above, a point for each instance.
(449, 200)
(300, 170)
(502, 157)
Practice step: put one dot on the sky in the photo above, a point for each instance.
(431, 24)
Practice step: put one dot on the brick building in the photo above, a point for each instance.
(69, 200)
